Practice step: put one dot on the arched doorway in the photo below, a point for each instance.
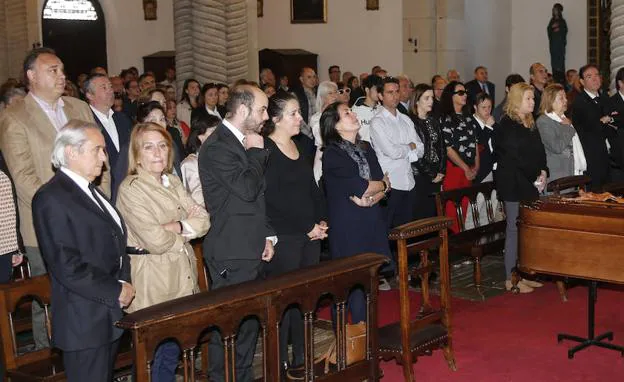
(76, 30)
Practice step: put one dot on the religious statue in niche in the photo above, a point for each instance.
(150, 9)
(557, 38)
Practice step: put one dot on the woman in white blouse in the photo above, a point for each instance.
(326, 94)
(189, 100)
(564, 153)
(201, 129)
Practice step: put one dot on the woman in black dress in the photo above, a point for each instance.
(354, 185)
(295, 208)
(521, 172)
(428, 170)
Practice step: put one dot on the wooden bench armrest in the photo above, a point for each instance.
(419, 228)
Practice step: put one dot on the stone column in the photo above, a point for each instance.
(617, 37)
(14, 36)
(211, 40)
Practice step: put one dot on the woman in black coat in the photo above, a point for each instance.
(428, 170)
(521, 171)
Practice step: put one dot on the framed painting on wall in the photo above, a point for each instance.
(308, 11)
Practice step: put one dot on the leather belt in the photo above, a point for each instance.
(137, 251)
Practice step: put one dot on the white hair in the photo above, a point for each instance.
(72, 134)
(323, 89)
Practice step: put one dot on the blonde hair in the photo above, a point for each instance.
(549, 96)
(136, 143)
(514, 101)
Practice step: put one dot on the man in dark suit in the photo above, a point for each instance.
(405, 93)
(306, 93)
(616, 108)
(480, 84)
(83, 242)
(115, 126)
(594, 124)
(232, 162)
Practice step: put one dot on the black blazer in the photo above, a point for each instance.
(85, 253)
(473, 88)
(586, 114)
(303, 102)
(233, 185)
(521, 157)
(124, 128)
(616, 105)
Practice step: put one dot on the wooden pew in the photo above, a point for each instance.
(431, 329)
(572, 183)
(44, 364)
(482, 239)
(186, 319)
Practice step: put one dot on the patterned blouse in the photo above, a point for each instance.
(434, 159)
(460, 132)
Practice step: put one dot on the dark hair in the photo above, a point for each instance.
(350, 82)
(123, 73)
(570, 71)
(479, 67)
(419, 90)
(31, 57)
(240, 95)
(127, 84)
(482, 97)
(87, 83)
(513, 79)
(277, 104)
(185, 96)
(446, 100)
(384, 81)
(619, 77)
(333, 67)
(205, 88)
(584, 68)
(221, 86)
(341, 85)
(375, 68)
(133, 70)
(434, 78)
(146, 108)
(329, 119)
(199, 125)
(371, 81)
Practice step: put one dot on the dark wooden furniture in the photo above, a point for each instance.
(574, 182)
(187, 319)
(159, 62)
(40, 365)
(431, 329)
(480, 240)
(584, 240)
(287, 62)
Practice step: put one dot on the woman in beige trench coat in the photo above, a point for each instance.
(161, 218)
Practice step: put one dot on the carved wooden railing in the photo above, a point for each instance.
(186, 319)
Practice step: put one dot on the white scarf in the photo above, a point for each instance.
(580, 164)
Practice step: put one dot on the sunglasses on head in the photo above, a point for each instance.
(460, 93)
(343, 91)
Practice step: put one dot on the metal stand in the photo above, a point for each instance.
(590, 340)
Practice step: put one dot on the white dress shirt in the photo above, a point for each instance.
(240, 136)
(214, 112)
(109, 124)
(84, 186)
(55, 112)
(390, 137)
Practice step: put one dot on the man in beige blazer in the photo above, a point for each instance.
(27, 132)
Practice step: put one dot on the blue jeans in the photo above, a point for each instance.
(165, 362)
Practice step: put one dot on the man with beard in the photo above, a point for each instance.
(232, 162)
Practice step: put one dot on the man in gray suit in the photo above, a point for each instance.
(27, 132)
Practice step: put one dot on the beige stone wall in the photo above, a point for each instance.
(14, 42)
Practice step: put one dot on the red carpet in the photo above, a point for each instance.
(513, 338)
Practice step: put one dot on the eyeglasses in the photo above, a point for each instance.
(343, 91)
(460, 93)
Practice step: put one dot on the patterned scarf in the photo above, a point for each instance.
(358, 155)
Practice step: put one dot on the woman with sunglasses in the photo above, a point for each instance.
(344, 93)
(459, 130)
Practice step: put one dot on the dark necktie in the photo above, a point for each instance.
(99, 201)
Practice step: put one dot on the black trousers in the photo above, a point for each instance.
(293, 252)
(223, 274)
(424, 197)
(400, 207)
(91, 365)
